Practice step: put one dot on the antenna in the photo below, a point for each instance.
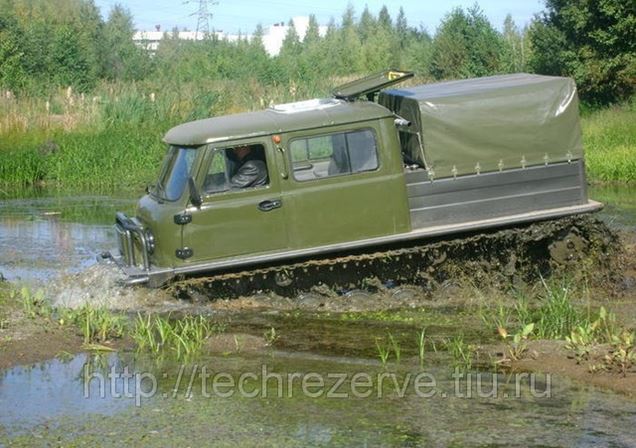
(203, 16)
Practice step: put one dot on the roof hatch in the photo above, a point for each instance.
(370, 85)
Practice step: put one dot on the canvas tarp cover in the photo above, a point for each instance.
(498, 122)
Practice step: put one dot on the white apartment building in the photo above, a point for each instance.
(273, 35)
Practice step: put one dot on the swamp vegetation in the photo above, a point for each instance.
(86, 109)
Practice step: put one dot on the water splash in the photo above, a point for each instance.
(100, 286)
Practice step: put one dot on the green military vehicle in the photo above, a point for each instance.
(313, 188)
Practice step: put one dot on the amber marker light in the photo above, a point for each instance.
(276, 139)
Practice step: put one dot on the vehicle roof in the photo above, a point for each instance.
(276, 119)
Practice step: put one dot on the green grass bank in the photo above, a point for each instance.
(112, 140)
(609, 136)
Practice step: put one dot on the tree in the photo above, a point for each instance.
(366, 25)
(122, 58)
(384, 18)
(590, 40)
(466, 45)
(12, 72)
(258, 61)
(312, 36)
(402, 28)
(290, 51)
(378, 50)
(350, 58)
(514, 51)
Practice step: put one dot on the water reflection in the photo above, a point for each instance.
(620, 204)
(39, 394)
(43, 237)
(47, 403)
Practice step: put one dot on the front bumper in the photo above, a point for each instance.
(131, 240)
(132, 258)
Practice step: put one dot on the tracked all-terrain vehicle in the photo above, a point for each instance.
(371, 182)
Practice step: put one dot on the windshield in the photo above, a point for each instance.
(176, 169)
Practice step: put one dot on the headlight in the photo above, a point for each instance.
(150, 241)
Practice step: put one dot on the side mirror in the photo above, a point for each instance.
(195, 196)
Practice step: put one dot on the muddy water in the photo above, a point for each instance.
(62, 403)
(45, 235)
(620, 205)
(44, 239)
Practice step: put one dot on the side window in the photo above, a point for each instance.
(334, 154)
(236, 168)
(216, 180)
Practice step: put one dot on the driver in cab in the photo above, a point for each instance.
(251, 171)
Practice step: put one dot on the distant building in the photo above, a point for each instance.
(273, 36)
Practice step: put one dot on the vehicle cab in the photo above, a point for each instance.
(333, 174)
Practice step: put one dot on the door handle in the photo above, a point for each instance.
(270, 204)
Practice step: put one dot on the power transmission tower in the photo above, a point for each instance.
(203, 16)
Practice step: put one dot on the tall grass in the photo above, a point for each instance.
(609, 136)
(112, 138)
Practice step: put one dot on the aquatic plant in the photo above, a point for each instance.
(517, 345)
(33, 304)
(420, 346)
(270, 336)
(183, 337)
(383, 351)
(622, 353)
(580, 341)
(97, 324)
(461, 352)
(556, 317)
(395, 345)
(501, 317)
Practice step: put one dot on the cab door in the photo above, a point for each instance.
(232, 222)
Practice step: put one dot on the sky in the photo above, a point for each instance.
(232, 16)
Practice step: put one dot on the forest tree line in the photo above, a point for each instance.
(47, 45)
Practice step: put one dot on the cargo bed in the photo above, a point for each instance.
(492, 195)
